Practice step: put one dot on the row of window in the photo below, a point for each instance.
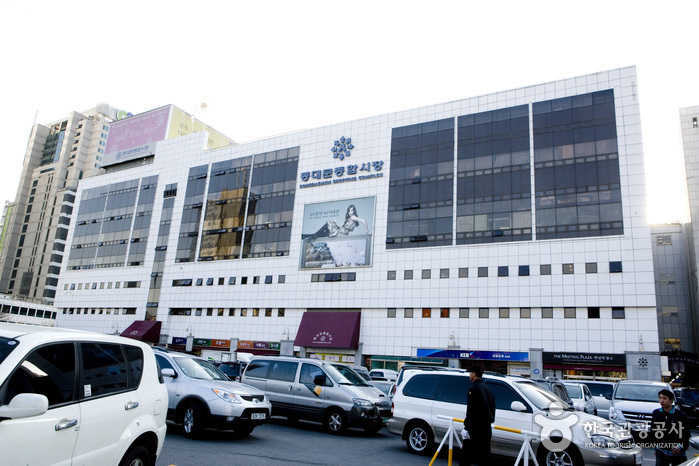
(231, 281)
(101, 310)
(504, 271)
(27, 311)
(93, 286)
(221, 312)
(505, 312)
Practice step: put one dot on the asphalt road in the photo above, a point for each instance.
(304, 443)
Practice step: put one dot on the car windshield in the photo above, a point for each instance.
(540, 397)
(633, 392)
(598, 389)
(574, 391)
(343, 375)
(6, 347)
(200, 369)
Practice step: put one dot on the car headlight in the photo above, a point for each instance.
(227, 396)
(362, 402)
(615, 415)
(604, 441)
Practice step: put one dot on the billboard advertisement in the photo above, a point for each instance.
(337, 234)
(135, 137)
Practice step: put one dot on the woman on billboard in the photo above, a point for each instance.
(331, 229)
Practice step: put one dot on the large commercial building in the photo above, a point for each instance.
(689, 125)
(508, 228)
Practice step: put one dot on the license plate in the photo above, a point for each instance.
(639, 458)
(259, 416)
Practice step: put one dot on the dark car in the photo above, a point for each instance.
(687, 399)
(232, 369)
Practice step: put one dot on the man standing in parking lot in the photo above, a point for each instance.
(480, 414)
(670, 431)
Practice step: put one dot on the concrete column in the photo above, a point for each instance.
(233, 349)
(536, 363)
(359, 355)
(287, 348)
(643, 365)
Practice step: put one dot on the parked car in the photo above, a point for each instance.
(687, 399)
(316, 390)
(520, 404)
(557, 388)
(386, 386)
(383, 374)
(602, 393)
(363, 372)
(582, 397)
(70, 397)
(232, 369)
(633, 403)
(200, 396)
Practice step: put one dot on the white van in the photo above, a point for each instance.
(633, 403)
(311, 389)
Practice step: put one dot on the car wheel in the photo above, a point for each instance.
(335, 421)
(568, 457)
(193, 420)
(136, 456)
(419, 439)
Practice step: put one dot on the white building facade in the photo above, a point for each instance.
(508, 229)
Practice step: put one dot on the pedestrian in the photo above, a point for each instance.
(480, 414)
(670, 431)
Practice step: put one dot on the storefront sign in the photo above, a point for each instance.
(243, 344)
(482, 355)
(202, 342)
(596, 359)
(221, 343)
(179, 340)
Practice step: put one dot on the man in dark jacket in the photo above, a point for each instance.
(670, 431)
(480, 414)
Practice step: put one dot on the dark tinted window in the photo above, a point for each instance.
(257, 369)
(135, 356)
(453, 389)
(49, 371)
(505, 395)
(600, 389)
(284, 371)
(104, 369)
(6, 347)
(422, 386)
(164, 363)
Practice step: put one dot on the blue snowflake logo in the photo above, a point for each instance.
(342, 148)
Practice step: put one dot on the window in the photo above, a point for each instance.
(199, 281)
(49, 371)
(104, 369)
(525, 313)
(426, 274)
(281, 279)
(667, 278)
(662, 240)
(503, 271)
(669, 311)
(568, 269)
(256, 312)
(408, 313)
(504, 395)
(283, 371)
(545, 269)
(231, 312)
(569, 312)
(482, 271)
(210, 312)
(523, 270)
(443, 273)
(209, 281)
(221, 280)
(258, 369)
(256, 280)
(281, 312)
(504, 313)
(615, 267)
(243, 280)
(408, 275)
(695, 123)
(132, 284)
(268, 279)
(243, 312)
(618, 313)
(423, 386)
(591, 267)
(444, 313)
(391, 314)
(391, 275)
(593, 313)
(463, 313)
(310, 374)
(483, 313)
(463, 272)
(453, 389)
(231, 280)
(426, 312)
(547, 313)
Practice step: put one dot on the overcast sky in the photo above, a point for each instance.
(266, 68)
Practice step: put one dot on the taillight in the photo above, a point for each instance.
(391, 409)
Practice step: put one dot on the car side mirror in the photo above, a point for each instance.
(169, 373)
(319, 380)
(25, 405)
(518, 406)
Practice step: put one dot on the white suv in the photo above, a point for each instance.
(70, 397)
(520, 404)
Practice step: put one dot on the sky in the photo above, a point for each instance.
(271, 67)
